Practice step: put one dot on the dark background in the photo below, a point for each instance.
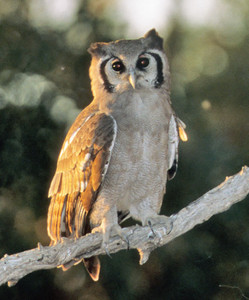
(44, 84)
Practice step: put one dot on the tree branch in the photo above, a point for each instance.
(217, 200)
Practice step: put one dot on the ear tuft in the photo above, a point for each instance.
(97, 49)
(153, 39)
(151, 33)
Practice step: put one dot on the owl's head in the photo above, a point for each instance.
(129, 65)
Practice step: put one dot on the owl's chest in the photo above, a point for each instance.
(142, 128)
(146, 113)
(138, 167)
(139, 157)
(141, 146)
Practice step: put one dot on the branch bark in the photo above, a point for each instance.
(217, 200)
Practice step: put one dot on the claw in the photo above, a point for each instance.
(105, 246)
(160, 219)
(127, 242)
(123, 236)
(171, 227)
(151, 228)
(106, 231)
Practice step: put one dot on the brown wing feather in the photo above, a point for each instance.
(81, 167)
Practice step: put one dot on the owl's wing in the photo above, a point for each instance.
(81, 168)
(173, 142)
(176, 131)
(181, 129)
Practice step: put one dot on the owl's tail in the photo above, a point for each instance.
(92, 265)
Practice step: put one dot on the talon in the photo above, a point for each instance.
(104, 246)
(151, 228)
(128, 243)
(124, 237)
(168, 230)
(107, 231)
(168, 221)
(118, 230)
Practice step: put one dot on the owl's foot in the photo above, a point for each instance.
(166, 221)
(107, 231)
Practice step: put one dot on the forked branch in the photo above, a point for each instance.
(217, 200)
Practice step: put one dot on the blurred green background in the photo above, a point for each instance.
(44, 84)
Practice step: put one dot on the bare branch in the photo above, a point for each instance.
(217, 200)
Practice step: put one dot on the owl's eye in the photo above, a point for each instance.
(142, 63)
(118, 66)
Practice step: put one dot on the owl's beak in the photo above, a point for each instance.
(132, 78)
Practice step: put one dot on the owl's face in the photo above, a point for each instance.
(129, 65)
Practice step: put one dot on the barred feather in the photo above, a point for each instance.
(81, 168)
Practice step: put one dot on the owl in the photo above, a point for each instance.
(121, 149)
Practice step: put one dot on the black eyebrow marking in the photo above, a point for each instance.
(160, 78)
(107, 85)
